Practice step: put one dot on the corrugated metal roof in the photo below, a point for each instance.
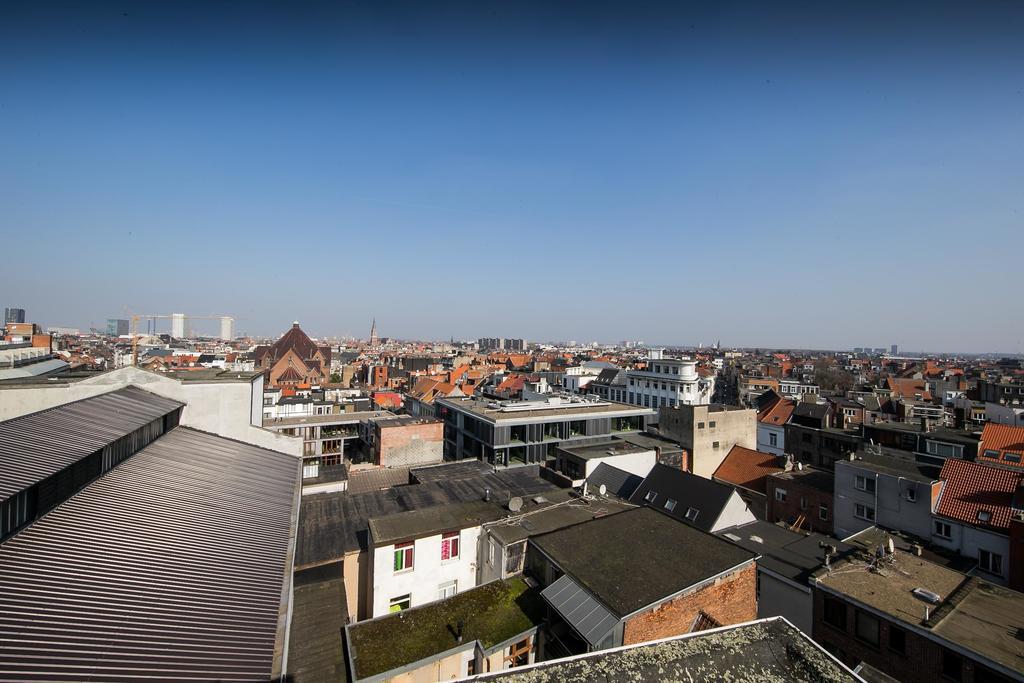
(34, 446)
(579, 608)
(169, 566)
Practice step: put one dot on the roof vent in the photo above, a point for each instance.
(927, 595)
(732, 537)
(757, 539)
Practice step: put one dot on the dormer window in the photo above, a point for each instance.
(651, 495)
(984, 516)
(691, 514)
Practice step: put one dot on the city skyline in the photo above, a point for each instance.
(675, 174)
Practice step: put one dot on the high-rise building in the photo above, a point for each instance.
(894, 349)
(116, 327)
(14, 315)
(227, 328)
(178, 325)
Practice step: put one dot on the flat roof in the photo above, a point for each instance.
(334, 524)
(491, 614)
(316, 653)
(894, 463)
(651, 441)
(604, 449)
(213, 375)
(790, 554)
(406, 526)
(972, 613)
(822, 480)
(744, 652)
(637, 558)
(404, 421)
(334, 418)
(562, 508)
(172, 565)
(38, 445)
(482, 408)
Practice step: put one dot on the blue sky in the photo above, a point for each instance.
(807, 175)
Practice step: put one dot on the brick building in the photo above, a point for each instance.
(636, 576)
(405, 441)
(293, 359)
(803, 494)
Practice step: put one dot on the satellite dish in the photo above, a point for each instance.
(515, 504)
(602, 489)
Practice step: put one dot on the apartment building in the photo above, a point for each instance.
(668, 382)
(708, 432)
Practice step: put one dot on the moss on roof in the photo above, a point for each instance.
(491, 614)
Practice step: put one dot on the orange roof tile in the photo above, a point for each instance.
(779, 413)
(1006, 441)
(747, 468)
(971, 490)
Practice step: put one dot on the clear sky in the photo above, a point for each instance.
(811, 175)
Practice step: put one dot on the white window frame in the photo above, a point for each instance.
(447, 590)
(670, 504)
(995, 562)
(861, 510)
(939, 526)
(780, 494)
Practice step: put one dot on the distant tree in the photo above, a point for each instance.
(832, 378)
(335, 378)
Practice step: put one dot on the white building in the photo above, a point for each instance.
(580, 462)
(668, 382)
(577, 378)
(178, 325)
(227, 328)
(425, 555)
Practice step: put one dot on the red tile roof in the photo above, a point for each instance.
(971, 489)
(747, 468)
(1005, 440)
(779, 413)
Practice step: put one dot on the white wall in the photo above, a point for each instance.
(764, 432)
(639, 464)
(428, 573)
(735, 513)
(968, 540)
(223, 408)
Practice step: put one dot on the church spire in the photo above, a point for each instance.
(373, 333)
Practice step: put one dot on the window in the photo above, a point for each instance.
(952, 666)
(691, 514)
(984, 516)
(670, 505)
(700, 425)
(989, 453)
(835, 612)
(864, 484)
(780, 495)
(400, 603)
(450, 546)
(911, 494)
(943, 530)
(773, 439)
(867, 628)
(865, 512)
(1011, 457)
(651, 495)
(803, 503)
(447, 590)
(711, 424)
(714, 444)
(492, 551)
(897, 639)
(403, 556)
(990, 562)
(945, 450)
(823, 512)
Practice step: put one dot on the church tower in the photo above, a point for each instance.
(373, 333)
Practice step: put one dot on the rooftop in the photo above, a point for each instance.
(978, 495)
(495, 411)
(894, 462)
(333, 419)
(560, 509)
(38, 445)
(691, 492)
(769, 650)
(748, 468)
(315, 650)
(406, 526)
(972, 613)
(812, 477)
(604, 449)
(177, 558)
(636, 558)
(404, 421)
(491, 614)
(333, 524)
(790, 554)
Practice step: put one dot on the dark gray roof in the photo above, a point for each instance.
(35, 446)
(637, 558)
(333, 524)
(171, 565)
(790, 554)
(813, 411)
(765, 650)
(463, 469)
(708, 497)
(407, 526)
(319, 615)
(617, 482)
(611, 376)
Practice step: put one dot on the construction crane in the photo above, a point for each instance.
(154, 317)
